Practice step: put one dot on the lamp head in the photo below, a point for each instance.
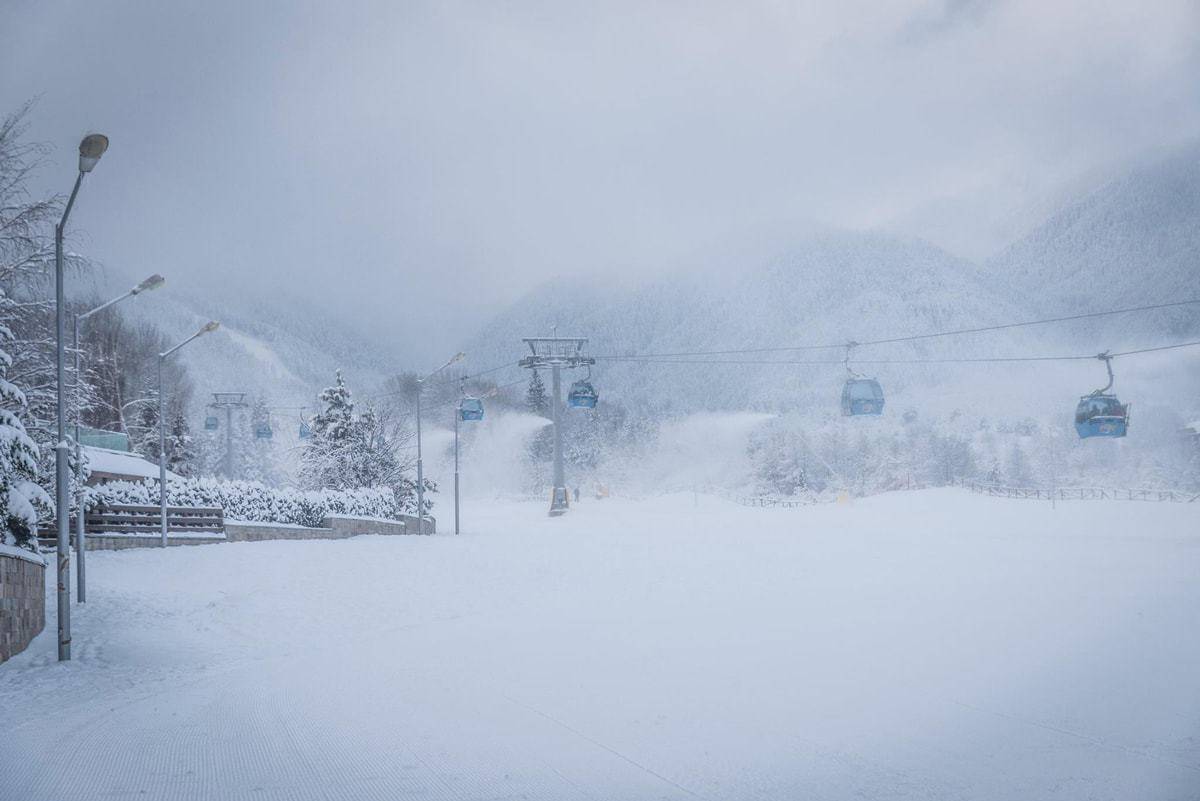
(90, 150)
(153, 282)
(211, 325)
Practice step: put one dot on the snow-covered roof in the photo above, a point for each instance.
(121, 463)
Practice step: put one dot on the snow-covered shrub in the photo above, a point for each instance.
(253, 501)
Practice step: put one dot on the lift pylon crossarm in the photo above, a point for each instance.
(539, 362)
(555, 352)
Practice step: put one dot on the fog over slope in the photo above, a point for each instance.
(282, 347)
(831, 287)
(1131, 242)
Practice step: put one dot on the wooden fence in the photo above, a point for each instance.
(999, 491)
(1081, 493)
(776, 503)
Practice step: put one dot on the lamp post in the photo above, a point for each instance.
(90, 150)
(211, 325)
(458, 357)
(153, 282)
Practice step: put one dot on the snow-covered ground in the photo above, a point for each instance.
(931, 645)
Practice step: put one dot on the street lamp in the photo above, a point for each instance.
(458, 357)
(211, 325)
(90, 150)
(153, 282)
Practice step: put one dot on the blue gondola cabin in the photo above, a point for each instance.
(583, 395)
(862, 396)
(1100, 415)
(470, 409)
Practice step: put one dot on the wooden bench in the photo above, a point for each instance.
(148, 520)
(180, 519)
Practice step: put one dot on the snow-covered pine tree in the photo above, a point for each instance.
(325, 459)
(20, 495)
(181, 450)
(336, 422)
(143, 434)
(210, 447)
(370, 456)
(536, 399)
(541, 445)
(1016, 467)
(28, 313)
(256, 454)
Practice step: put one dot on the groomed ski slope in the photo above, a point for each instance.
(921, 645)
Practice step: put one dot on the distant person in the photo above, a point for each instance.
(577, 495)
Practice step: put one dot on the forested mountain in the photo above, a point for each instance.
(1132, 242)
(1135, 241)
(832, 287)
(282, 348)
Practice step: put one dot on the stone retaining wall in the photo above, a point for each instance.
(119, 542)
(256, 532)
(415, 526)
(22, 601)
(350, 526)
(335, 528)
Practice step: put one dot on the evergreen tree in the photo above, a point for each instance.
(143, 434)
(20, 495)
(181, 450)
(1016, 469)
(536, 399)
(210, 447)
(335, 424)
(27, 312)
(326, 459)
(257, 453)
(371, 458)
(348, 452)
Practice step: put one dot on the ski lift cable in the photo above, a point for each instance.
(455, 400)
(962, 360)
(444, 382)
(470, 376)
(448, 403)
(1151, 350)
(913, 337)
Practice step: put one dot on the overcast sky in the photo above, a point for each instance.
(424, 163)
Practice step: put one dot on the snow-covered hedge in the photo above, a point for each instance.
(253, 501)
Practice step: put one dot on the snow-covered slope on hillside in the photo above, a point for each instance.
(831, 287)
(278, 347)
(1134, 242)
